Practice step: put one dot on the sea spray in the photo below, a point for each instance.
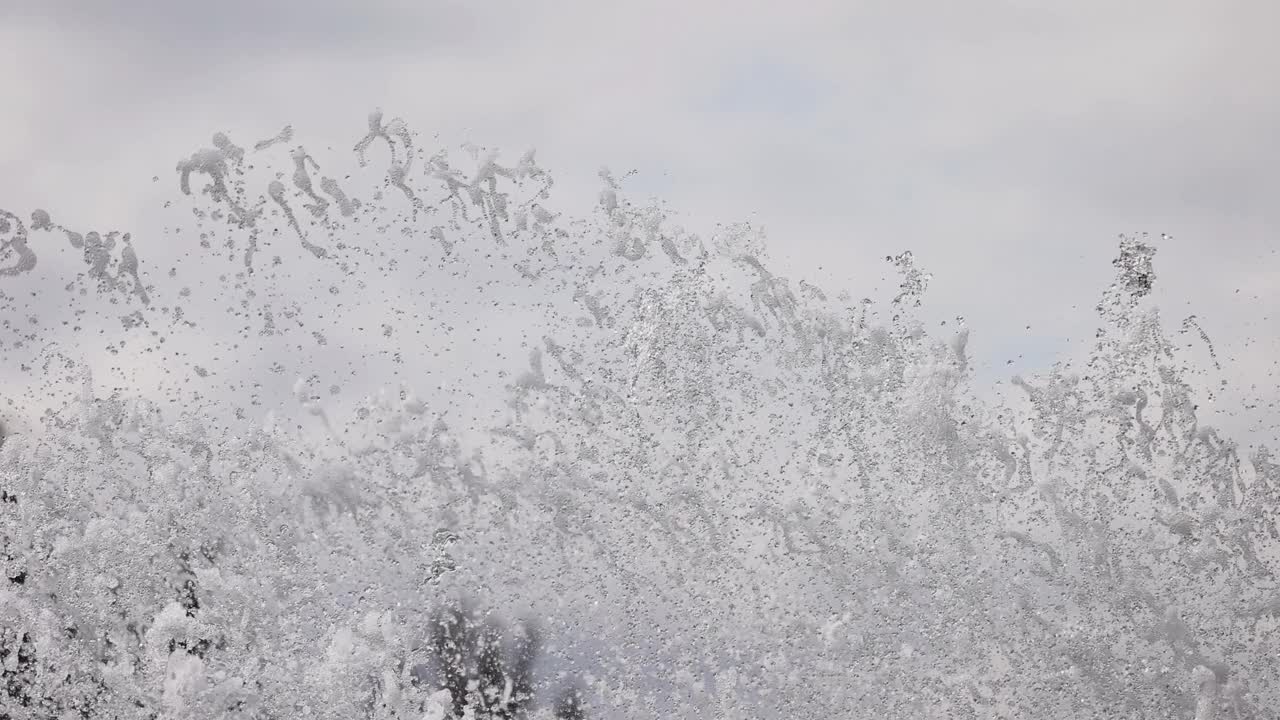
(723, 492)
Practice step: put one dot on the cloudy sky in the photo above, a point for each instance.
(1006, 142)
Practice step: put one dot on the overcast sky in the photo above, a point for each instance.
(1007, 143)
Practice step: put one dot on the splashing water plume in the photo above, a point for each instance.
(720, 493)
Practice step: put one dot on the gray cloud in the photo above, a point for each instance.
(222, 32)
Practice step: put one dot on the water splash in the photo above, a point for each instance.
(727, 493)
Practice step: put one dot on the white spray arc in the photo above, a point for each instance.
(722, 492)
